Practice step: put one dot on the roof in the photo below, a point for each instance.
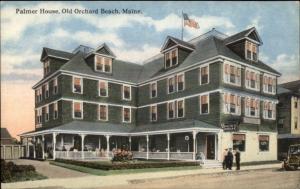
(178, 42)
(282, 90)
(293, 86)
(186, 124)
(206, 46)
(106, 127)
(5, 134)
(242, 35)
(121, 70)
(56, 53)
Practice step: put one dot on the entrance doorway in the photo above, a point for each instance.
(210, 146)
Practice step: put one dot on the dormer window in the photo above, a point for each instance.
(46, 66)
(103, 64)
(171, 58)
(251, 51)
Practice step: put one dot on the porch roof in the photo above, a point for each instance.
(84, 127)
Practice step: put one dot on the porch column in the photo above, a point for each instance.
(34, 152)
(194, 145)
(82, 145)
(129, 143)
(168, 138)
(147, 139)
(73, 140)
(219, 145)
(216, 142)
(62, 141)
(43, 147)
(107, 146)
(27, 149)
(99, 144)
(54, 144)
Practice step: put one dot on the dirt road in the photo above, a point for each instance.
(258, 179)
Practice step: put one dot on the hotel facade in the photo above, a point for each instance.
(190, 102)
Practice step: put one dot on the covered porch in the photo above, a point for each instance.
(87, 141)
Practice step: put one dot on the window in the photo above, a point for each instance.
(269, 110)
(295, 105)
(171, 110)
(232, 104)
(77, 85)
(103, 112)
(251, 51)
(204, 75)
(180, 82)
(55, 110)
(77, 110)
(269, 84)
(39, 116)
(238, 141)
(103, 64)
(263, 142)
(251, 107)
(47, 113)
(153, 113)
(232, 74)
(153, 90)
(252, 80)
(126, 114)
(39, 94)
(46, 66)
(103, 88)
(171, 58)
(296, 123)
(55, 86)
(171, 85)
(180, 108)
(204, 101)
(126, 92)
(46, 90)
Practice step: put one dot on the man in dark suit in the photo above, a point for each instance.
(230, 159)
(237, 158)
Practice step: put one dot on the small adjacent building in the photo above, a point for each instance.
(6, 138)
(189, 102)
(288, 116)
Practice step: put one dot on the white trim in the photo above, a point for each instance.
(151, 113)
(41, 82)
(174, 110)
(47, 92)
(150, 87)
(201, 104)
(55, 84)
(257, 113)
(55, 104)
(177, 44)
(226, 110)
(200, 75)
(106, 88)
(183, 105)
(73, 109)
(59, 57)
(103, 58)
(123, 117)
(81, 85)
(123, 94)
(238, 82)
(174, 86)
(99, 117)
(176, 82)
(172, 49)
(257, 85)
(47, 115)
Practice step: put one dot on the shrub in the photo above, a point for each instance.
(122, 155)
(128, 165)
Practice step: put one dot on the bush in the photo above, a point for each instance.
(128, 165)
(122, 155)
(11, 172)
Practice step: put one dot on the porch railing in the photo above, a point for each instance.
(78, 155)
(181, 155)
(164, 155)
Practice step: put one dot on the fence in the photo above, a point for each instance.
(12, 151)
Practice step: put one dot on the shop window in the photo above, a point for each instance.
(239, 142)
(263, 143)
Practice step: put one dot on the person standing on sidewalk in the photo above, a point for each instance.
(237, 158)
(225, 159)
(230, 159)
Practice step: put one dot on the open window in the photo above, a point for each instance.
(77, 85)
(103, 88)
(77, 110)
(153, 113)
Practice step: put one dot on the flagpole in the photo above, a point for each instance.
(182, 25)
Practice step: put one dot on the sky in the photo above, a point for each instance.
(133, 38)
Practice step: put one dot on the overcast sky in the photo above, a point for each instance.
(133, 38)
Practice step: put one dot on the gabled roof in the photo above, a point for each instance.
(251, 32)
(104, 49)
(178, 42)
(124, 71)
(55, 53)
(5, 134)
(290, 87)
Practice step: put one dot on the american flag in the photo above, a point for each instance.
(190, 22)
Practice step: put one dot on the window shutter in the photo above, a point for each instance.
(239, 72)
(232, 99)
(238, 100)
(226, 68)
(232, 70)
(252, 76)
(257, 78)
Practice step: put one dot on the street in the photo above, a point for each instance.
(255, 179)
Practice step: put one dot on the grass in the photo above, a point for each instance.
(27, 176)
(123, 171)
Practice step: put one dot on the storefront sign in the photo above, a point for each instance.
(252, 120)
(231, 124)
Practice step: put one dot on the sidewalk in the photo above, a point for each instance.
(114, 180)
